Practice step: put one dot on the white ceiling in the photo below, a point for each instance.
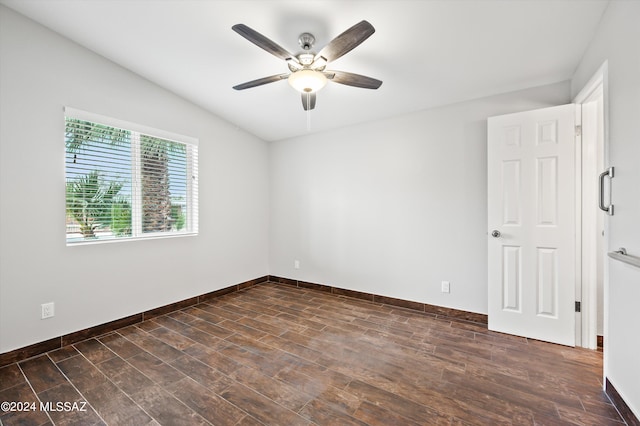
(427, 53)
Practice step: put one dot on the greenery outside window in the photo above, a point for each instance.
(127, 181)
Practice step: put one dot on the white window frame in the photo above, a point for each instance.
(191, 143)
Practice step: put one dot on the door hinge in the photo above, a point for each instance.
(578, 306)
(578, 130)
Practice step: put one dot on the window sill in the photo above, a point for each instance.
(126, 239)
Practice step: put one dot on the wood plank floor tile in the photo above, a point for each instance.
(153, 346)
(181, 316)
(249, 421)
(337, 310)
(22, 392)
(258, 307)
(206, 403)
(301, 321)
(114, 406)
(172, 338)
(216, 330)
(121, 346)
(278, 391)
(303, 373)
(250, 358)
(42, 373)
(375, 415)
(84, 375)
(125, 376)
(339, 400)
(199, 312)
(190, 332)
(225, 307)
(208, 377)
(10, 376)
(322, 413)
(581, 417)
(256, 346)
(427, 391)
(68, 407)
(332, 316)
(77, 366)
(155, 369)
(213, 358)
(358, 303)
(166, 409)
(403, 407)
(512, 382)
(411, 343)
(291, 347)
(245, 330)
(218, 309)
(538, 405)
(261, 407)
(148, 325)
(520, 415)
(339, 328)
(385, 328)
(281, 323)
(94, 351)
(63, 353)
(599, 404)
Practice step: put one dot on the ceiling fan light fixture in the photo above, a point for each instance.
(307, 69)
(307, 81)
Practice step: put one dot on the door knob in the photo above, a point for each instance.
(495, 233)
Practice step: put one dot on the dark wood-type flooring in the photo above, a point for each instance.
(279, 355)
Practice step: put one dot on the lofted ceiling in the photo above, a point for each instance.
(427, 52)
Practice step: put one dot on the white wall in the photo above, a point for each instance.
(393, 207)
(40, 73)
(618, 41)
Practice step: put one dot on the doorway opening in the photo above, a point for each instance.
(536, 252)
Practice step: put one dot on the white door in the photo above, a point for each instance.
(532, 224)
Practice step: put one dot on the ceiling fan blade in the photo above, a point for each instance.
(351, 79)
(308, 101)
(346, 41)
(263, 42)
(261, 81)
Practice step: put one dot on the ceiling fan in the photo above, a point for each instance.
(308, 69)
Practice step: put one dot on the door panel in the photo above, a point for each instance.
(511, 279)
(511, 192)
(547, 190)
(547, 282)
(531, 202)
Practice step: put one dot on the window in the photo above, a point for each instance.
(126, 181)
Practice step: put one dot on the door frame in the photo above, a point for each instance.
(586, 321)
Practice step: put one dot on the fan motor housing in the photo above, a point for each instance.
(306, 58)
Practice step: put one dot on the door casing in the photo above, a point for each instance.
(586, 284)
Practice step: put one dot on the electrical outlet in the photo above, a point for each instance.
(296, 264)
(48, 310)
(446, 287)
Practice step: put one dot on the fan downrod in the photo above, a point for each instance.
(306, 41)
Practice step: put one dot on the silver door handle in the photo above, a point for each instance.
(610, 174)
(495, 233)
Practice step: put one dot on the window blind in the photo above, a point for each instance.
(126, 181)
